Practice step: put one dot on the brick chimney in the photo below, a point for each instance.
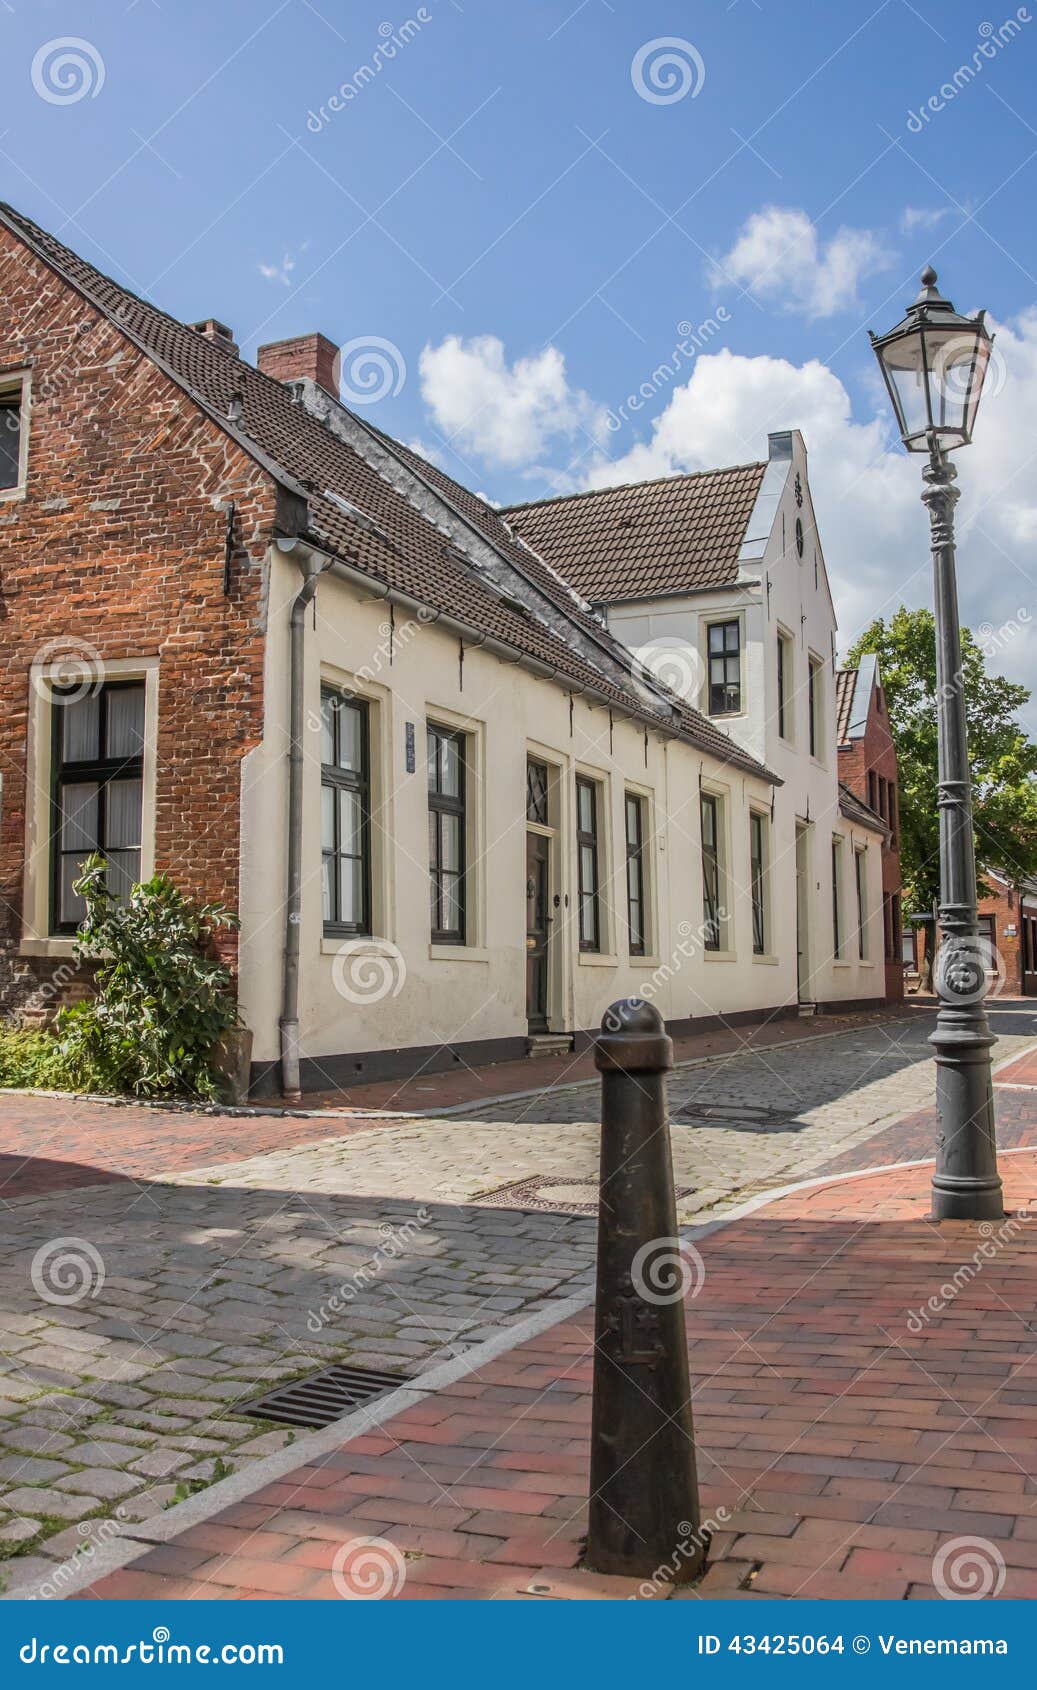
(311, 355)
(220, 335)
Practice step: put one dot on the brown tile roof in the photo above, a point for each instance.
(647, 537)
(403, 550)
(856, 810)
(845, 682)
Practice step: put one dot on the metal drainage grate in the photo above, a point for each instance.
(324, 1397)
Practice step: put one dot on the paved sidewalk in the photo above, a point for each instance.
(851, 1433)
(464, 1084)
(396, 1245)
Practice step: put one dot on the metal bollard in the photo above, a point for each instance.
(644, 1505)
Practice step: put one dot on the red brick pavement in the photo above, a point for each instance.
(912, 1138)
(55, 1144)
(846, 1442)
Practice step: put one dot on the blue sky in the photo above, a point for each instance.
(501, 198)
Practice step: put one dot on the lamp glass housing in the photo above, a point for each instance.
(934, 363)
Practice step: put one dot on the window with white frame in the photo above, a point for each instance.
(14, 434)
(758, 880)
(784, 669)
(98, 774)
(815, 706)
(345, 784)
(447, 828)
(588, 807)
(723, 641)
(634, 814)
(712, 872)
(860, 870)
(837, 897)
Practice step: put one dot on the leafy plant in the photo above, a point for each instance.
(163, 1002)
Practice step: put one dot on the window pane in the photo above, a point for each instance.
(70, 908)
(452, 903)
(587, 933)
(122, 813)
(10, 440)
(79, 817)
(125, 724)
(123, 873)
(327, 729)
(350, 890)
(450, 768)
(451, 837)
(327, 873)
(585, 807)
(350, 737)
(80, 718)
(327, 818)
(433, 760)
(350, 824)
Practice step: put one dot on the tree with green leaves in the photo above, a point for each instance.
(1002, 758)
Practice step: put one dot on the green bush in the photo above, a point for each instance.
(162, 1004)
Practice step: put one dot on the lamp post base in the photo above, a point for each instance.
(966, 1185)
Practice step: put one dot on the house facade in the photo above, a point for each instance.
(717, 581)
(253, 642)
(868, 766)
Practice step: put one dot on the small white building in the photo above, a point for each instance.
(717, 583)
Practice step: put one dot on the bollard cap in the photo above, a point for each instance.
(633, 1038)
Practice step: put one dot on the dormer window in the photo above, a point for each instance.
(14, 434)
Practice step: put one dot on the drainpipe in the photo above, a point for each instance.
(289, 1023)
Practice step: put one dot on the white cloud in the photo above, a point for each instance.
(508, 415)
(866, 489)
(779, 255)
(280, 273)
(916, 217)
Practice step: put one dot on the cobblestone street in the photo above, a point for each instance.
(140, 1313)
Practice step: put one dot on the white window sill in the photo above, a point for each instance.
(841, 962)
(766, 961)
(458, 953)
(598, 959)
(57, 944)
(639, 962)
(720, 956)
(11, 495)
(361, 944)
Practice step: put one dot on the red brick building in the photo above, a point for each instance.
(1008, 925)
(868, 767)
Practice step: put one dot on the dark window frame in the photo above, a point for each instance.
(784, 689)
(758, 880)
(712, 926)
(443, 804)
(82, 771)
(837, 919)
(815, 694)
(588, 896)
(858, 869)
(637, 913)
(720, 691)
(13, 388)
(535, 795)
(350, 780)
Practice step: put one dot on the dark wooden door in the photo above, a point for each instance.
(538, 927)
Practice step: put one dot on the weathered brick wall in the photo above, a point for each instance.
(118, 550)
(874, 753)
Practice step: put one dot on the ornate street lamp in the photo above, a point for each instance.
(934, 363)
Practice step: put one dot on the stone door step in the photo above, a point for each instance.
(549, 1044)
